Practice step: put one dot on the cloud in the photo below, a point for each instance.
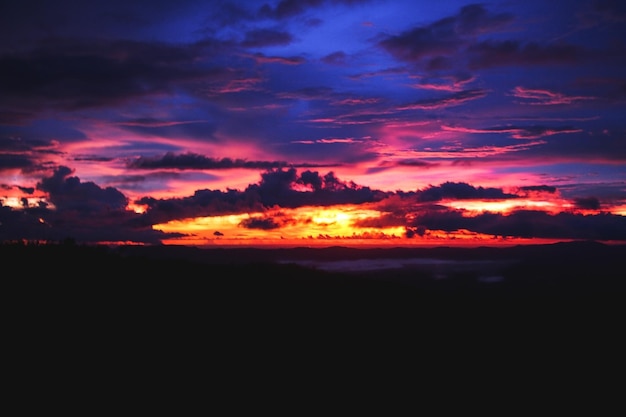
(474, 19)
(445, 36)
(69, 193)
(262, 223)
(527, 224)
(83, 211)
(587, 203)
(538, 188)
(14, 117)
(289, 8)
(307, 93)
(489, 54)
(191, 160)
(264, 59)
(329, 141)
(277, 188)
(335, 58)
(15, 161)
(266, 37)
(611, 9)
(450, 83)
(450, 100)
(461, 191)
(546, 97)
(518, 132)
(416, 163)
(89, 213)
(73, 74)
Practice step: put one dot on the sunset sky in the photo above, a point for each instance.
(313, 122)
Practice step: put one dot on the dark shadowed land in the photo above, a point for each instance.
(321, 280)
(551, 315)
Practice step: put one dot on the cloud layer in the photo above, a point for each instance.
(420, 120)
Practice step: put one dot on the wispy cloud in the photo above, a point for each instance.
(546, 97)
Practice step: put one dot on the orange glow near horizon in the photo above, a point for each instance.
(317, 226)
(286, 224)
(506, 206)
(16, 202)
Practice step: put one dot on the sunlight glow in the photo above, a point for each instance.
(300, 223)
(315, 226)
(17, 202)
(501, 206)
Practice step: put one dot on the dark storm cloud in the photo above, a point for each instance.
(461, 191)
(93, 158)
(262, 223)
(538, 188)
(474, 19)
(445, 36)
(276, 188)
(17, 144)
(308, 93)
(41, 223)
(266, 37)
(13, 161)
(489, 54)
(198, 129)
(148, 76)
(528, 224)
(582, 147)
(615, 191)
(20, 224)
(27, 190)
(88, 213)
(28, 155)
(417, 163)
(453, 42)
(24, 21)
(290, 8)
(14, 118)
(69, 193)
(421, 42)
(83, 211)
(194, 161)
(611, 10)
(587, 203)
(202, 203)
(389, 219)
(76, 74)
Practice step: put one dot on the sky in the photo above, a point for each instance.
(313, 122)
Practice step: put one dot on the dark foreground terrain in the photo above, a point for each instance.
(575, 271)
(279, 285)
(89, 327)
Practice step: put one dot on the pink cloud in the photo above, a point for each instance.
(449, 84)
(546, 97)
(264, 59)
(516, 132)
(329, 140)
(455, 99)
